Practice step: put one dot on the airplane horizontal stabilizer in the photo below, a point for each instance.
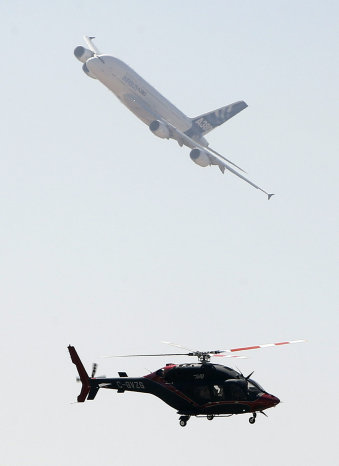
(203, 124)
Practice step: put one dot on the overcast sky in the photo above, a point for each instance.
(113, 240)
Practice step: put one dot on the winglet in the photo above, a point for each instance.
(92, 47)
(269, 196)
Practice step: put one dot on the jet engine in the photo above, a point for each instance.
(83, 54)
(200, 157)
(160, 129)
(87, 71)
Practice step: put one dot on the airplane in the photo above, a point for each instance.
(161, 116)
(200, 389)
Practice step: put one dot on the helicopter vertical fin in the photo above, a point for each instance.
(82, 374)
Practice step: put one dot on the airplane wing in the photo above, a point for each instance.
(216, 158)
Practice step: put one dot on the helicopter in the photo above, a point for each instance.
(200, 389)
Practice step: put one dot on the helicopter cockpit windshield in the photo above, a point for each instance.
(228, 390)
(252, 384)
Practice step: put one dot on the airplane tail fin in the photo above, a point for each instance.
(85, 380)
(203, 124)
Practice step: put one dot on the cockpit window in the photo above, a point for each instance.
(252, 383)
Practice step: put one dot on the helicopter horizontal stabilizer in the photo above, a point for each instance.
(92, 393)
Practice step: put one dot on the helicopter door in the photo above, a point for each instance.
(202, 394)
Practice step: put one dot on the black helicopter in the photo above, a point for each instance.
(200, 389)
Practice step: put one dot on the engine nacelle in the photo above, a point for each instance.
(160, 129)
(87, 71)
(200, 157)
(83, 54)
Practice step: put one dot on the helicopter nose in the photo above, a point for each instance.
(270, 400)
(275, 400)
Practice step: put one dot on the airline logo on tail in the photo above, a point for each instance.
(203, 124)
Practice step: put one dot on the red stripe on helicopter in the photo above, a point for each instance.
(244, 349)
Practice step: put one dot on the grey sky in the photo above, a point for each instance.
(113, 240)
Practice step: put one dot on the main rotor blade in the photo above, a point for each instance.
(247, 348)
(178, 346)
(196, 352)
(228, 356)
(144, 355)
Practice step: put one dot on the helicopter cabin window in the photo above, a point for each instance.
(218, 392)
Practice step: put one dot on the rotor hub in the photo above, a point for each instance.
(202, 356)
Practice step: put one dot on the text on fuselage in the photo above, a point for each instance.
(133, 85)
(131, 385)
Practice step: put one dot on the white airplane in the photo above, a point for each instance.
(162, 117)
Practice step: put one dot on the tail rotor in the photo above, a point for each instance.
(94, 370)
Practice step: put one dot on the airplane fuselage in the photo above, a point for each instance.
(135, 93)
